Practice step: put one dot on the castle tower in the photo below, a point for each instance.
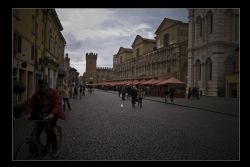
(91, 67)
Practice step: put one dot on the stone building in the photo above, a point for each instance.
(213, 46)
(95, 74)
(71, 75)
(54, 46)
(103, 74)
(61, 71)
(37, 47)
(123, 56)
(164, 56)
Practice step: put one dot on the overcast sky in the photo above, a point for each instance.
(104, 31)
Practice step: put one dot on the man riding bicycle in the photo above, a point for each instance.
(46, 102)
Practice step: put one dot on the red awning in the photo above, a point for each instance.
(135, 82)
(122, 83)
(157, 81)
(171, 80)
(141, 81)
(149, 82)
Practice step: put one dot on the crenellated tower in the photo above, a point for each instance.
(91, 67)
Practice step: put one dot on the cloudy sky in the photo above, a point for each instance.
(104, 31)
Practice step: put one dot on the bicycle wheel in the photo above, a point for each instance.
(28, 150)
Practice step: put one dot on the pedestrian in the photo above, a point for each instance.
(171, 94)
(129, 92)
(83, 90)
(189, 92)
(193, 94)
(72, 92)
(119, 91)
(198, 93)
(166, 91)
(65, 94)
(80, 91)
(75, 92)
(140, 96)
(123, 91)
(133, 96)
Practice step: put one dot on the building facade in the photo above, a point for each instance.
(61, 71)
(37, 46)
(53, 40)
(103, 74)
(93, 73)
(71, 76)
(165, 56)
(213, 44)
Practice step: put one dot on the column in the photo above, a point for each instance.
(190, 71)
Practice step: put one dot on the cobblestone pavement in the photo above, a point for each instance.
(224, 105)
(97, 128)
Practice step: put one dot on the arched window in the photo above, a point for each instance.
(199, 25)
(209, 69)
(210, 21)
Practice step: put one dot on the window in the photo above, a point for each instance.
(198, 70)
(137, 51)
(51, 45)
(15, 44)
(166, 39)
(33, 25)
(36, 32)
(200, 28)
(32, 52)
(210, 18)
(236, 27)
(36, 52)
(169, 69)
(19, 44)
(236, 65)
(209, 69)
(42, 36)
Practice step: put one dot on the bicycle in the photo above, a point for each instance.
(39, 150)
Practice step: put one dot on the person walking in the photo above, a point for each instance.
(128, 92)
(65, 94)
(193, 94)
(166, 91)
(133, 96)
(171, 94)
(75, 92)
(83, 90)
(80, 91)
(189, 92)
(140, 96)
(123, 91)
(197, 93)
(119, 91)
